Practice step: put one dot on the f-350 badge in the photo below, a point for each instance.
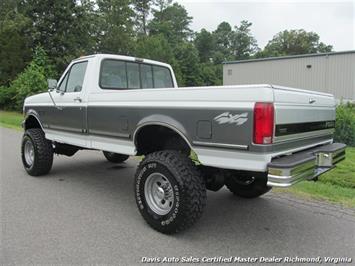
(228, 118)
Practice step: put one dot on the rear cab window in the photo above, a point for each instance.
(120, 75)
(113, 75)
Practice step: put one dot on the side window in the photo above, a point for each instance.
(133, 76)
(76, 77)
(147, 76)
(113, 75)
(162, 77)
(63, 84)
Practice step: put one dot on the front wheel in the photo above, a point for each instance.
(170, 192)
(248, 185)
(36, 152)
(115, 157)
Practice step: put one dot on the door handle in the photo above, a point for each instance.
(78, 99)
(311, 100)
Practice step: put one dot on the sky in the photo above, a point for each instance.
(334, 21)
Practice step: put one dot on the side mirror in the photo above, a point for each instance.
(52, 84)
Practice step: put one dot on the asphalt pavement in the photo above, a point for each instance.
(84, 212)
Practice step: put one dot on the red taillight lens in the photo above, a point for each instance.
(263, 123)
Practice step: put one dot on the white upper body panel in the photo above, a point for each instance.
(192, 97)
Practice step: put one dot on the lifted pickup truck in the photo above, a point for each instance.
(250, 138)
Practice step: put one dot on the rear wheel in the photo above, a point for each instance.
(36, 152)
(248, 185)
(170, 192)
(115, 157)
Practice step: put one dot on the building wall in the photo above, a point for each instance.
(329, 73)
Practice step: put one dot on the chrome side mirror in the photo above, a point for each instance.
(52, 84)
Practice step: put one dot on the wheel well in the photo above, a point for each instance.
(32, 122)
(156, 137)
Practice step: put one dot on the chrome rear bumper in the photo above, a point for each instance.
(306, 165)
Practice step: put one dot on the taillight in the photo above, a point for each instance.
(263, 123)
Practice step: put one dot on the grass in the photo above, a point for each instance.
(11, 119)
(337, 185)
(322, 191)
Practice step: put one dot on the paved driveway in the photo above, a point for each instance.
(84, 212)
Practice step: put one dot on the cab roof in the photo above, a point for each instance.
(123, 57)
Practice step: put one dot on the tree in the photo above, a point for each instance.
(116, 27)
(155, 29)
(173, 22)
(294, 42)
(210, 56)
(188, 64)
(243, 44)
(31, 81)
(211, 74)
(205, 43)
(155, 47)
(15, 45)
(60, 27)
(223, 36)
(142, 9)
(161, 5)
(7, 6)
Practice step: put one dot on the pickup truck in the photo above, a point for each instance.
(248, 138)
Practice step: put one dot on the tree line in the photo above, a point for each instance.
(38, 38)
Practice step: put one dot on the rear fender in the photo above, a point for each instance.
(162, 120)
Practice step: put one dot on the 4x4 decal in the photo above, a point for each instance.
(228, 118)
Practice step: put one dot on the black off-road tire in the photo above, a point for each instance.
(253, 190)
(115, 157)
(43, 152)
(188, 186)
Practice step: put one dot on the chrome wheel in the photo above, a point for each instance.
(158, 193)
(29, 152)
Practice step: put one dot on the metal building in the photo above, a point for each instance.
(327, 72)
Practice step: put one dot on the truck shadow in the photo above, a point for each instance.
(225, 219)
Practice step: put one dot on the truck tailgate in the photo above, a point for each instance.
(302, 114)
